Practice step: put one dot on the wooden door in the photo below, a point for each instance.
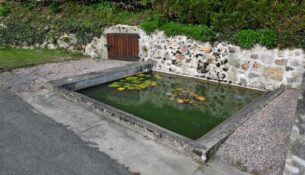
(123, 46)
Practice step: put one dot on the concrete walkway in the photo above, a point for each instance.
(31, 143)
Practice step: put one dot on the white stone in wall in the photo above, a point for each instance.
(67, 41)
(96, 48)
(2, 25)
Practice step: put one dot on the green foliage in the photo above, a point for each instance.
(105, 6)
(30, 5)
(20, 33)
(288, 40)
(223, 15)
(248, 38)
(35, 23)
(54, 7)
(246, 23)
(198, 32)
(52, 38)
(150, 26)
(267, 37)
(66, 39)
(4, 10)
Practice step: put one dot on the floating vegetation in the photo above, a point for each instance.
(115, 85)
(137, 82)
(182, 96)
(121, 88)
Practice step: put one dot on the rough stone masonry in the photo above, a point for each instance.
(257, 68)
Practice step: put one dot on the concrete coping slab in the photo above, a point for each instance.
(201, 149)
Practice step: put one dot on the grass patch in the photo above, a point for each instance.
(11, 58)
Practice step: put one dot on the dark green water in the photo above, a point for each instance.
(158, 104)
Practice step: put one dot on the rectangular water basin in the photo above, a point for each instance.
(188, 114)
(185, 106)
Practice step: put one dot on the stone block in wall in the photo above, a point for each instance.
(275, 73)
(267, 59)
(281, 62)
(256, 65)
(97, 48)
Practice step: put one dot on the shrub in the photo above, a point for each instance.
(4, 10)
(197, 32)
(19, 33)
(150, 26)
(54, 7)
(269, 23)
(267, 37)
(289, 40)
(223, 15)
(105, 6)
(246, 38)
(30, 5)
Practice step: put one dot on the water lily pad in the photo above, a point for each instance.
(131, 78)
(120, 88)
(140, 75)
(130, 88)
(142, 86)
(157, 76)
(154, 83)
(115, 85)
(147, 83)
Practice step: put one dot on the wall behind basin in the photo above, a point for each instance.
(258, 67)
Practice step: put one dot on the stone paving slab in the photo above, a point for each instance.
(31, 143)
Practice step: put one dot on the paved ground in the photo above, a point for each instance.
(260, 144)
(31, 79)
(248, 147)
(127, 147)
(31, 143)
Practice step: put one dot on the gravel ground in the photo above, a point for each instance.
(259, 146)
(29, 79)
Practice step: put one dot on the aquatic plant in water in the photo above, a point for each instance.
(183, 96)
(137, 82)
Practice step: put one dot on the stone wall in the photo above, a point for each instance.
(257, 68)
(226, 63)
